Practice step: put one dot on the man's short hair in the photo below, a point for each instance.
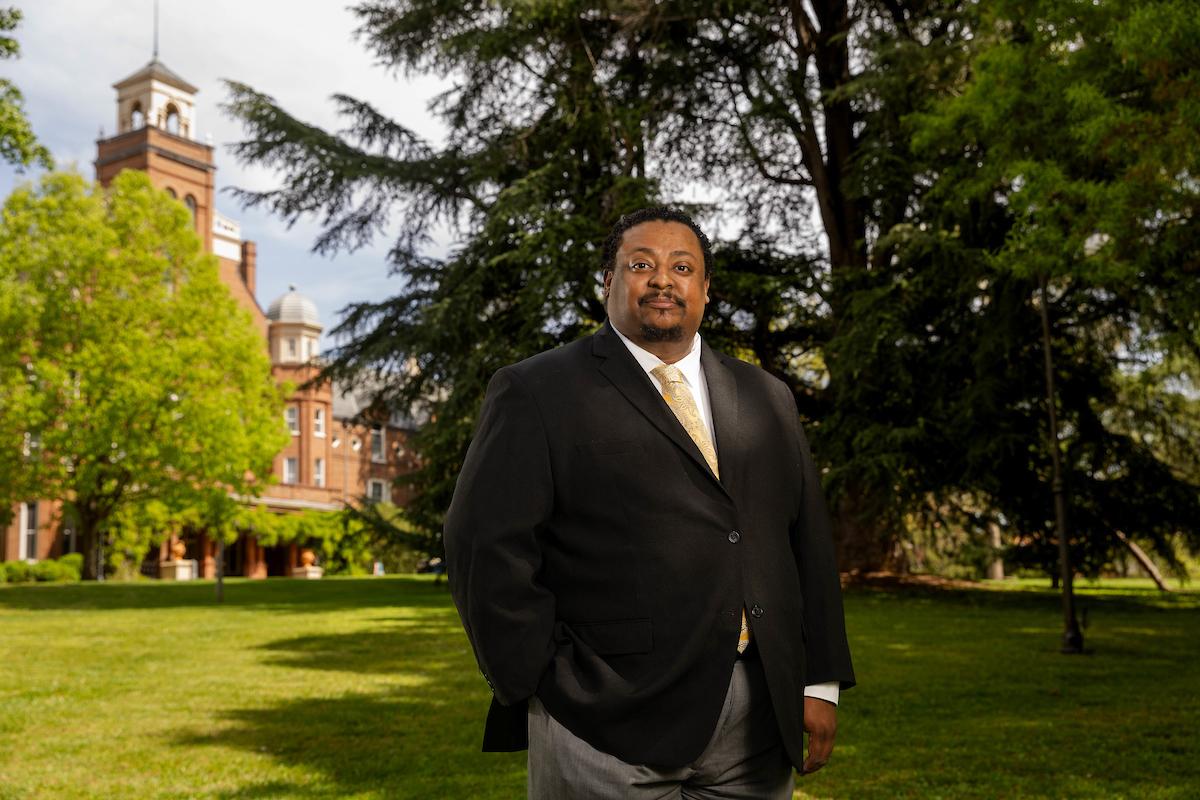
(653, 214)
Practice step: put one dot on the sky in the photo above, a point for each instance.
(301, 52)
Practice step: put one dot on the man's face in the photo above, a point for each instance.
(658, 288)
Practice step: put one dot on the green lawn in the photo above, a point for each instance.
(366, 688)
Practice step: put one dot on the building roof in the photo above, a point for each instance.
(158, 71)
(294, 307)
(351, 401)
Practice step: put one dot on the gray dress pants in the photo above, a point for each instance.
(744, 759)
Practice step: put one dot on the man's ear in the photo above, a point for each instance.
(608, 276)
(706, 297)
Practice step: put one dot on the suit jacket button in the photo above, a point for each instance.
(735, 537)
(757, 611)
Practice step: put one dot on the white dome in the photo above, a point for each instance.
(294, 307)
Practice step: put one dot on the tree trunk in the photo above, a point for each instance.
(90, 545)
(1144, 560)
(863, 541)
(996, 567)
(220, 568)
(1072, 637)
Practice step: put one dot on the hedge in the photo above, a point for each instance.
(67, 568)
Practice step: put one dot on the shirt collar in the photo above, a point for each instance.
(689, 365)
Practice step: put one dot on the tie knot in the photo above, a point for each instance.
(667, 373)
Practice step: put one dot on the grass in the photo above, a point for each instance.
(366, 688)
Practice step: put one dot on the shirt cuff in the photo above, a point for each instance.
(824, 691)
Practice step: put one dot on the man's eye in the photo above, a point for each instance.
(684, 267)
(639, 265)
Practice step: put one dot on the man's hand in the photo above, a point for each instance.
(820, 722)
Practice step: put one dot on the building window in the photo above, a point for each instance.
(27, 547)
(319, 422)
(172, 120)
(171, 193)
(319, 472)
(375, 491)
(190, 202)
(137, 117)
(291, 349)
(291, 470)
(377, 453)
(292, 415)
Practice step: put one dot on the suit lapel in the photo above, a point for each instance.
(723, 402)
(623, 370)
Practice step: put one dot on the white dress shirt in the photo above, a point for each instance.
(693, 373)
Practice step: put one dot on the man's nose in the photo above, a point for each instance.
(661, 278)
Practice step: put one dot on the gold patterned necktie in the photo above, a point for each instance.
(683, 404)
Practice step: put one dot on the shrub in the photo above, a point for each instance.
(50, 570)
(18, 572)
(73, 562)
(67, 568)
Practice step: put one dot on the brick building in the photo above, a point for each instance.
(334, 457)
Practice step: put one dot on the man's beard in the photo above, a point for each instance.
(671, 334)
(653, 334)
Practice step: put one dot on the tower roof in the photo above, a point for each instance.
(158, 71)
(294, 307)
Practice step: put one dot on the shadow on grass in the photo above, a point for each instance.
(330, 594)
(420, 737)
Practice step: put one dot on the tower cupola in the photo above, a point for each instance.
(295, 328)
(155, 96)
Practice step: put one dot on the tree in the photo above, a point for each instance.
(565, 115)
(131, 377)
(546, 149)
(898, 329)
(18, 145)
(1076, 136)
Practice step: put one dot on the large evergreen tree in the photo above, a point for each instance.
(547, 146)
(865, 273)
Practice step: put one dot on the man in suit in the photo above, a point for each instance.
(641, 554)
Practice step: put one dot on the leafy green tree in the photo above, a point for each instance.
(18, 145)
(1062, 170)
(132, 380)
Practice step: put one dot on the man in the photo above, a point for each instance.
(641, 554)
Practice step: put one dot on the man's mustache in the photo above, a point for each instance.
(648, 298)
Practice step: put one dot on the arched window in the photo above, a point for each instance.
(137, 117)
(172, 119)
(190, 202)
(171, 193)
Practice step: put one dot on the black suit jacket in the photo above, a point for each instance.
(596, 560)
